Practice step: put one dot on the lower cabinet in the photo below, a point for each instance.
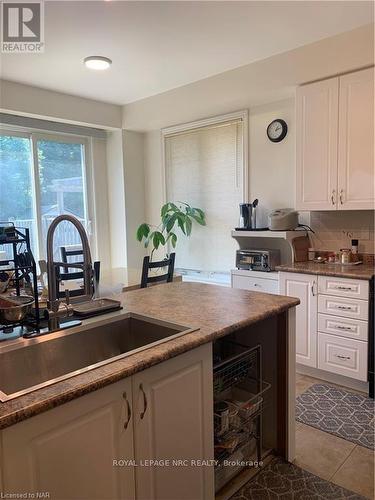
(102, 445)
(304, 287)
(68, 452)
(173, 421)
(256, 281)
(331, 323)
(343, 356)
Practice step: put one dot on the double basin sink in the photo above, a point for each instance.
(28, 365)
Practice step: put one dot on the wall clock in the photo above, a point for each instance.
(277, 130)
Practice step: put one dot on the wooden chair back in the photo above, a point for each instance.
(147, 265)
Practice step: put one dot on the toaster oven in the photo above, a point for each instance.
(257, 260)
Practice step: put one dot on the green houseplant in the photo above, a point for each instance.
(172, 217)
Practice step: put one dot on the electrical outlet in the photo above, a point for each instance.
(357, 234)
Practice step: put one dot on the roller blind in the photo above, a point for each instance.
(204, 167)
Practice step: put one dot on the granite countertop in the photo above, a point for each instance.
(360, 271)
(215, 310)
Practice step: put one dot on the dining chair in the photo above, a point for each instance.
(75, 275)
(147, 265)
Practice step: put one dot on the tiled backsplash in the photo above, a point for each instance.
(335, 230)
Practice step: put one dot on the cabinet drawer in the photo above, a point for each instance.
(344, 327)
(343, 287)
(256, 284)
(343, 356)
(341, 306)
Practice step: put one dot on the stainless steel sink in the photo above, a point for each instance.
(27, 365)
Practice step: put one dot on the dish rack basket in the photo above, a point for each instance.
(239, 403)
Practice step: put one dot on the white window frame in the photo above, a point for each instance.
(242, 115)
(88, 185)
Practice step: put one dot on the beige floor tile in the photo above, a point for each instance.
(303, 382)
(357, 472)
(319, 452)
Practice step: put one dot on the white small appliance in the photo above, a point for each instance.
(283, 219)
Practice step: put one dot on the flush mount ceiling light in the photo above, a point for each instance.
(97, 62)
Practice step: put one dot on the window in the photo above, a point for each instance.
(42, 176)
(205, 166)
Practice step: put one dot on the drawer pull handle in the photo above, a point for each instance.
(346, 328)
(342, 357)
(129, 411)
(344, 308)
(144, 401)
(344, 288)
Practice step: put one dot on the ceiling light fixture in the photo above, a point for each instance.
(97, 62)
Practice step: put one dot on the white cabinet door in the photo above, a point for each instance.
(356, 141)
(68, 451)
(304, 287)
(317, 126)
(173, 404)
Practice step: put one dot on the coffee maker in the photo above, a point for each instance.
(248, 215)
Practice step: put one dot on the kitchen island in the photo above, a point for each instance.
(167, 390)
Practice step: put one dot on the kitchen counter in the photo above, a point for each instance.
(360, 271)
(215, 310)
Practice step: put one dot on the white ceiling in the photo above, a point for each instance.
(157, 46)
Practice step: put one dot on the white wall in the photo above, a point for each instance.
(116, 198)
(20, 99)
(100, 208)
(133, 154)
(267, 89)
(271, 165)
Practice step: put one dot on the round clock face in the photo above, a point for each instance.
(277, 130)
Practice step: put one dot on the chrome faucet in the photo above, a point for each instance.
(54, 311)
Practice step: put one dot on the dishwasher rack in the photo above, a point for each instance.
(238, 407)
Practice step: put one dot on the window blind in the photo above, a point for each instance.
(204, 167)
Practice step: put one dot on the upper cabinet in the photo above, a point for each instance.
(356, 141)
(335, 143)
(317, 125)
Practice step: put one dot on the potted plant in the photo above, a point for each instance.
(172, 217)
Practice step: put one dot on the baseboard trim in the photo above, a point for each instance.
(351, 383)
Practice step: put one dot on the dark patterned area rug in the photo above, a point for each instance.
(285, 481)
(334, 410)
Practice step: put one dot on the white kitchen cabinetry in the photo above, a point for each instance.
(173, 421)
(356, 141)
(304, 287)
(335, 143)
(343, 356)
(257, 281)
(69, 451)
(317, 125)
(332, 323)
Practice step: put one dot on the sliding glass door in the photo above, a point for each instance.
(42, 176)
